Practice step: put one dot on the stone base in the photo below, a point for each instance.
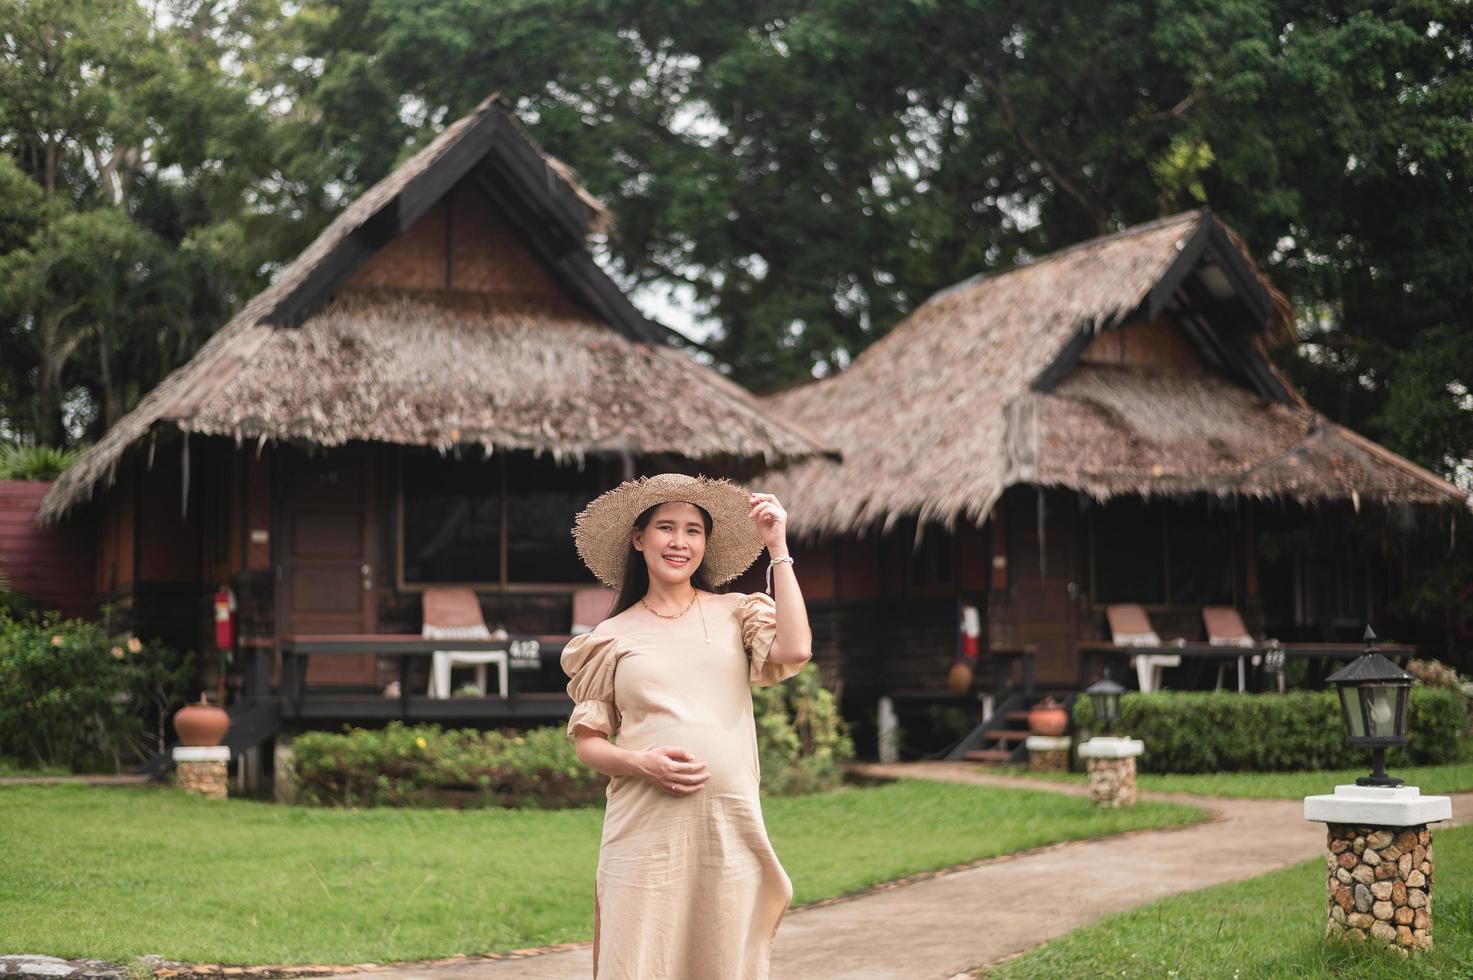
(203, 770)
(1110, 762)
(1380, 885)
(1112, 781)
(1048, 753)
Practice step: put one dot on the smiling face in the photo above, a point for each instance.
(673, 543)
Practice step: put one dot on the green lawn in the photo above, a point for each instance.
(1456, 777)
(118, 872)
(1270, 926)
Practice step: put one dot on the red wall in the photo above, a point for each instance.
(54, 567)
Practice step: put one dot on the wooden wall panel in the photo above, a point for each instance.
(167, 538)
(54, 567)
(489, 257)
(1144, 343)
(415, 259)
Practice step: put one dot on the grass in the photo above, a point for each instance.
(114, 873)
(1270, 926)
(1456, 777)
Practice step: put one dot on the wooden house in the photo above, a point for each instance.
(1101, 425)
(425, 396)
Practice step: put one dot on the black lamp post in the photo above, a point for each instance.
(1373, 696)
(1104, 694)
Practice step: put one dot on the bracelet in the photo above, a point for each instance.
(776, 561)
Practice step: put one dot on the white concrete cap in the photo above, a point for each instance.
(1378, 806)
(1111, 747)
(201, 753)
(1047, 743)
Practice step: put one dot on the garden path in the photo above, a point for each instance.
(947, 926)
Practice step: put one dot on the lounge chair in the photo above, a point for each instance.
(454, 613)
(591, 606)
(1131, 627)
(1225, 628)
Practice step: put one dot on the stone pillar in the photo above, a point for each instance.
(889, 726)
(1110, 761)
(1379, 862)
(203, 769)
(1048, 753)
(283, 770)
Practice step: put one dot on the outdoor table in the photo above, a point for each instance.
(1097, 652)
(296, 651)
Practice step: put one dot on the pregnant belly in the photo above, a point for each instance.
(728, 752)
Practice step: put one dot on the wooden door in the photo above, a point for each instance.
(1046, 589)
(330, 558)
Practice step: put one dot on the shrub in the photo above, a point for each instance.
(802, 746)
(75, 698)
(34, 462)
(426, 765)
(1434, 673)
(802, 741)
(1222, 731)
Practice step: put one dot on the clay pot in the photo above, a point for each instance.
(959, 678)
(1048, 717)
(202, 723)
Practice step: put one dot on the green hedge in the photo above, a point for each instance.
(802, 746)
(426, 765)
(1223, 731)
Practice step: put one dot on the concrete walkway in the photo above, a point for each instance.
(950, 925)
(124, 779)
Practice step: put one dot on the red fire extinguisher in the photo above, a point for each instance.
(959, 678)
(971, 632)
(224, 618)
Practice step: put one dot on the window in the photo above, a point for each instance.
(1161, 554)
(452, 519)
(542, 499)
(464, 521)
(1128, 545)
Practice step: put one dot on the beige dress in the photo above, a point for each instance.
(687, 888)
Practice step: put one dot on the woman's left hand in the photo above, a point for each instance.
(771, 520)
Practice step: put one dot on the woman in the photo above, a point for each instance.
(688, 886)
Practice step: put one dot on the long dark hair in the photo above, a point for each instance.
(636, 580)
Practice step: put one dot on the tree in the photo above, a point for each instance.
(813, 171)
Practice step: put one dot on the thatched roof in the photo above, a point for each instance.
(416, 370)
(284, 365)
(981, 388)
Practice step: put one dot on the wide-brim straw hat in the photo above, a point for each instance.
(602, 529)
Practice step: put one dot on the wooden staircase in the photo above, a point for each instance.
(1001, 737)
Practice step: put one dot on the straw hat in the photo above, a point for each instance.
(601, 531)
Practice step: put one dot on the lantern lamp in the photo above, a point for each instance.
(1104, 695)
(1373, 697)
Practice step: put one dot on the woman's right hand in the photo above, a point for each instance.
(674, 770)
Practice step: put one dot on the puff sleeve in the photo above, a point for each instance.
(589, 660)
(757, 615)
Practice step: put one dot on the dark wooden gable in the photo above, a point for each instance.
(1212, 298)
(490, 173)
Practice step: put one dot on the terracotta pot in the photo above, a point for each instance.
(959, 678)
(1048, 717)
(202, 723)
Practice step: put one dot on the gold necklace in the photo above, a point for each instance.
(682, 612)
(694, 600)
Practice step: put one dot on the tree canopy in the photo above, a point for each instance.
(806, 173)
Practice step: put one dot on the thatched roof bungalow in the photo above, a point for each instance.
(454, 303)
(423, 397)
(1131, 364)
(1100, 425)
